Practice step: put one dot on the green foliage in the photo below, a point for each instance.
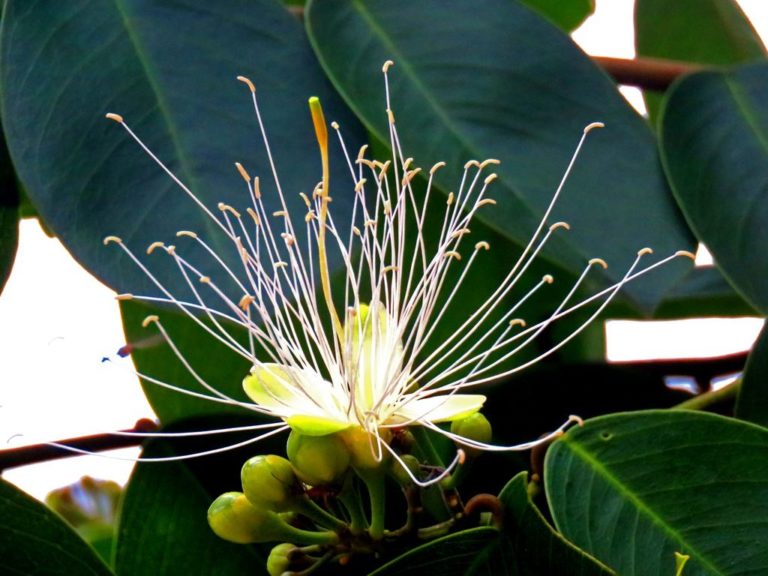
(524, 545)
(459, 109)
(714, 129)
(656, 492)
(632, 489)
(34, 540)
(566, 14)
(723, 35)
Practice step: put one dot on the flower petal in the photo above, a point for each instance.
(294, 394)
(445, 408)
(316, 425)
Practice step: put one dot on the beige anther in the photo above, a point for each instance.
(387, 65)
(452, 254)
(390, 116)
(252, 213)
(599, 261)
(361, 152)
(248, 82)
(490, 178)
(482, 245)
(151, 248)
(486, 202)
(256, 188)
(686, 253)
(517, 322)
(592, 126)
(109, 239)
(125, 296)
(246, 301)
(115, 117)
(489, 161)
(547, 278)
(243, 173)
(186, 233)
(335, 125)
(557, 225)
(460, 232)
(390, 268)
(451, 197)
(205, 279)
(149, 320)
(436, 167)
(644, 251)
(227, 208)
(306, 199)
(359, 186)
(309, 216)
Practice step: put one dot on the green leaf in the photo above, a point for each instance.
(215, 363)
(566, 14)
(723, 35)
(528, 108)
(526, 545)
(35, 541)
(9, 214)
(169, 69)
(714, 144)
(632, 489)
(752, 403)
(703, 291)
(163, 527)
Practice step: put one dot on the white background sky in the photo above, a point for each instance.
(58, 323)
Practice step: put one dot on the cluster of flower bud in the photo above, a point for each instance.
(279, 500)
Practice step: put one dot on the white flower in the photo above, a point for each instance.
(375, 365)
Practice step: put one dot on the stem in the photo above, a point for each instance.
(648, 73)
(427, 448)
(712, 397)
(305, 537)
(350, 498)
(375, 482)
(318, 515)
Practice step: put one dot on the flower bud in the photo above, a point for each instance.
(278, 561)
(400, 474)
(473, 427)
(317, 460)
(270, 483)
(232, 517)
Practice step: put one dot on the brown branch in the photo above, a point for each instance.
(648, 73)
(35, 453)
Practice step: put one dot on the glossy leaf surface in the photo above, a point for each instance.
(519, 91)
(632, 489)
(169, 69)
(36, 541)
(526, 545)
(700, 31)
(752, 403)
(715, 149)
(163, 527)
(567, 14)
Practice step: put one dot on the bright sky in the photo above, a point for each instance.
(58, 323)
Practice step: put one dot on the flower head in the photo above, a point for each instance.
(361, 354)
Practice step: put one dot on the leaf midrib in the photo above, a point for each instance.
(642, 508)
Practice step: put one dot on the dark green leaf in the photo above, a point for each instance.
(163, 526)
(703, 31)
(211, 359)
(752, 403)
(703, 292)
(526, 545)
(521, 91)
(36, 542)
(566, 14)
(715, 150)
(169, 68)
(9, 214)
(632, 489)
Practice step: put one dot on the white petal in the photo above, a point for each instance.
(444, 408)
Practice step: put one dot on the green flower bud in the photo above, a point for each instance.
(317, 460)
(363, 447)
(232, 517)
(278, 561)
(270, 483)
(473, 427)
(400, 474)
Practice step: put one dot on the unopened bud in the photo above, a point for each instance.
(279, 561)
(317, 460)
(270, 483)
(473, 427)
(364, 450)
(232, 517)
(401, 474)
